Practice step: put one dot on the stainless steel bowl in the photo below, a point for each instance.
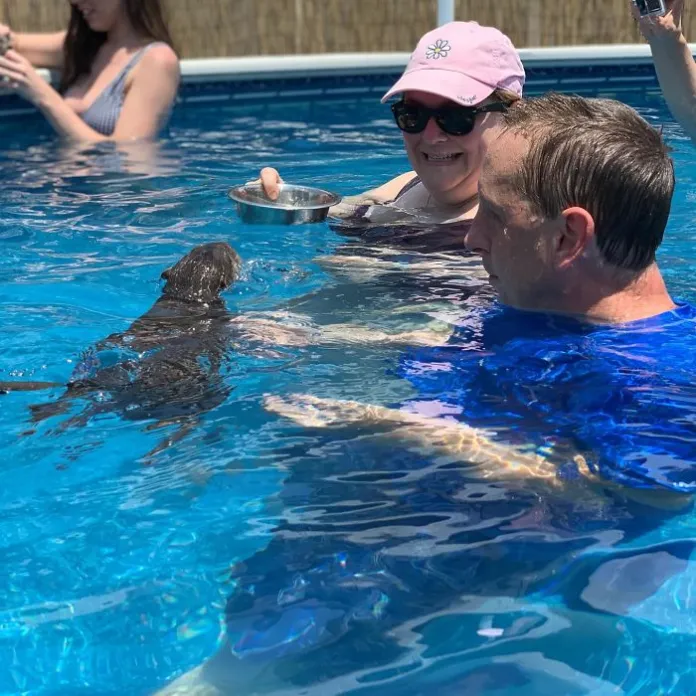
(296, 205)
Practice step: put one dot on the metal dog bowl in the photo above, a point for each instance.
(296, 205)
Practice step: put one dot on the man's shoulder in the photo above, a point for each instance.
(674, 326)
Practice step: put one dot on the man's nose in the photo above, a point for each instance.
(474, 239)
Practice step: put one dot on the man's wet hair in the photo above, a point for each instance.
(600, 155)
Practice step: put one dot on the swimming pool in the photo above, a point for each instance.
(118, 570)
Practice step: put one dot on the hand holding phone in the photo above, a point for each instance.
(5, 42)
(659, 28)
(651, 8)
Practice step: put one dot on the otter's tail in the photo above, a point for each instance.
(7, 387)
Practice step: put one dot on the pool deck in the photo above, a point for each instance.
(214, 80)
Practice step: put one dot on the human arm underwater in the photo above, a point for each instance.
(444, 437)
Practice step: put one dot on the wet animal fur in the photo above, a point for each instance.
(169, 359)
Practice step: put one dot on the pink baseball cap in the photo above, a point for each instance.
(463, 62)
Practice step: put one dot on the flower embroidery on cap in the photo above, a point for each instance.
(440, 49)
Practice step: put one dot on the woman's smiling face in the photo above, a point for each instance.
(448, 165)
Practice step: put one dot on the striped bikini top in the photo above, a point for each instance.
(105, 110)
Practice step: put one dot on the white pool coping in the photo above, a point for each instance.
(328, 64)
(333, 64)
(266, 67)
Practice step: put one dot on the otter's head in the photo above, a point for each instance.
(203, 273)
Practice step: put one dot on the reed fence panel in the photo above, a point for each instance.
(208, 28)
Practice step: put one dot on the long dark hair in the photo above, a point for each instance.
(82, 43)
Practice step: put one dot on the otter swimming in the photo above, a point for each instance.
(166, 365)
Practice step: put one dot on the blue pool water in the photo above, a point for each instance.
(118, 569)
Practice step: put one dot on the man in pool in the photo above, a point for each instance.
(587, 358)
(586, 343)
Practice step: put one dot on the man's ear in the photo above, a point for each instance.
(577, 233)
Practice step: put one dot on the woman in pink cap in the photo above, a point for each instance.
(458, 80)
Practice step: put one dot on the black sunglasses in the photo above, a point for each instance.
(453, 119)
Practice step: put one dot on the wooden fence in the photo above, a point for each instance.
(205, 28)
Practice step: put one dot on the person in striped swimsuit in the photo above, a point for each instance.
(120, 73)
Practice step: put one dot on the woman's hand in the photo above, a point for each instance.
(270, 182)
(17, 73)
(656, 29)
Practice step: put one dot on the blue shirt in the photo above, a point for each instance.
(624, 394)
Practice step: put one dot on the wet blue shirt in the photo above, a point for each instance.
(624, 394)
(386, 562)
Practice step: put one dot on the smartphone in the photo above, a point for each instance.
(651, 8)
(5, 43)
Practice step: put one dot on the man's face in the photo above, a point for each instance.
(516, 246)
